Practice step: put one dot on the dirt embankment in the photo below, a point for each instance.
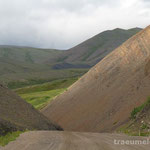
(16, 114)
(103, 99)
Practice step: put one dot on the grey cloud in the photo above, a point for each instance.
(146, 1)
(65, 23)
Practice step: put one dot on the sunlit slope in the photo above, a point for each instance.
(103, 99)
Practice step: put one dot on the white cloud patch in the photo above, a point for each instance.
(65, 23)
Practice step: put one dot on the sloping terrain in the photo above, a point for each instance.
(142, 120)
(95, 49)
(20, 66)
(75, 141)
(40, 95)
(27, 54)
(103, 99)
(16, 114)
(15, 59)
(139, 123)
(23, 64)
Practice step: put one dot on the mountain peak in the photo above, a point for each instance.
(119, 29)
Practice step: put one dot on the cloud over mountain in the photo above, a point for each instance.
(65, 23)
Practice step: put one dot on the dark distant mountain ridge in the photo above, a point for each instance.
(16, 114)
(20, 63)
(96, 48)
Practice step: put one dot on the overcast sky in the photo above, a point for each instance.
(62, 24)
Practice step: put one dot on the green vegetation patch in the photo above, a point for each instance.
(54, 85)
(129, 132)
(20, 84)
(132, 129)
(40, 95)
(139, 109)
(40, 99)
(137, 126)
(4, 140)
(30, 78)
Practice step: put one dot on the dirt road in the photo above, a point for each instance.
(53, 140)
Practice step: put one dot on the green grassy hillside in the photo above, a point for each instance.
(40, 95)
(139, 124)
(19, 80)
(15, 60)
(27, 54)
(23, 66)
(96, 48)
(4, 140)
(26, 65)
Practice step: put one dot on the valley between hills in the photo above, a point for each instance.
(84, 98)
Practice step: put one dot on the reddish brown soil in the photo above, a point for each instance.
(103, 99)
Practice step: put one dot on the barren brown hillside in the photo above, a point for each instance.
(16, 114)
(103, 99)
